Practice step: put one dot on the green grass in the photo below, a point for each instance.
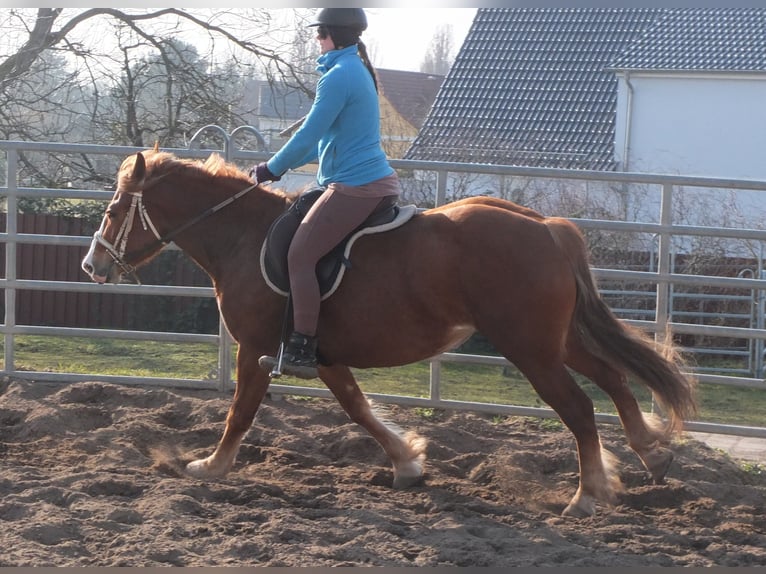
(753, 468)
(479, 383)
(114, 357)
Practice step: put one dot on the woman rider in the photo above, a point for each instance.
(342, 131)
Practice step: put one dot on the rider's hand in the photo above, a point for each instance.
(261, 173)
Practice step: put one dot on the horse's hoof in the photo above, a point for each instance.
(574, 511)
(201, 469)
(658, 464)
(657, 461)
(197, 468)
(581, 506)
(410, 474)
(402, 482)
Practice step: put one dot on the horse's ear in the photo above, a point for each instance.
(156, 145)
(139, 168)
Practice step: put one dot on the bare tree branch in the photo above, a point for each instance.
(39, 40)
(43, 36)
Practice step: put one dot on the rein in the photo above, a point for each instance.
(117, 251)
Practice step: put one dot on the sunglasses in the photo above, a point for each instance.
(322, 32)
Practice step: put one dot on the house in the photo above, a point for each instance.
(691, 93)
(276, 106)
(675, 90)
(405, 100)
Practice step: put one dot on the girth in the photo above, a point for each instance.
(331, 267)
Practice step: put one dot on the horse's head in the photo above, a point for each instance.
(127, 237)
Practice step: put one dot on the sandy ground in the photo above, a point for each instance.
(89, 476)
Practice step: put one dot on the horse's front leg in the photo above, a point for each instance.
(406, 451)
(252, 383)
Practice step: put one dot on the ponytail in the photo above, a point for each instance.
(367, 63)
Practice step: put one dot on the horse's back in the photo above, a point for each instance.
(475, 248)
(486, 201)
(467, 238)
(492, 227)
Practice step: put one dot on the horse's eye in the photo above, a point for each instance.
(110, 213)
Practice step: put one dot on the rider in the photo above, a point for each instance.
(342, 131)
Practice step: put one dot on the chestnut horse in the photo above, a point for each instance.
(479, 264)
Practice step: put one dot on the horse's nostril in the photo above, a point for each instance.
(88, 268)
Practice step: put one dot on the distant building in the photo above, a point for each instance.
(659, 90)
(405, 100)
(676, 90)
(691, 95)
(276, 106)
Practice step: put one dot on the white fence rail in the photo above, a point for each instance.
(662, 277)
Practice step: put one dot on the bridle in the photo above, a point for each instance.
(118, 250)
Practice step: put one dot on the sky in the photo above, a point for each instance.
(399, 38)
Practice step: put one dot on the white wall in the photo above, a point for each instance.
(709, 125)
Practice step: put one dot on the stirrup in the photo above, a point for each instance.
(299, 370)
(298, 358)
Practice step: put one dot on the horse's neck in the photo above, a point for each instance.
(236, 231)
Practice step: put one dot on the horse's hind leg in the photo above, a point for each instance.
(598, 480)
(646, 438)
(407, 452)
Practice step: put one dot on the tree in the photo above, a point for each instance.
(304, 53)
(165, 96)
(241, 38)
(439, 58)
(43, 34)
(43, 102)
(127, 77)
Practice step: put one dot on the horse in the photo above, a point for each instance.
(480, 264)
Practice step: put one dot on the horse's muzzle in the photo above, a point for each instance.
(98, 277)
(100, 267)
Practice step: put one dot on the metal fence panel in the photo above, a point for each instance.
(665, 280)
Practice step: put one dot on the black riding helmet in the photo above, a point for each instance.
(341, 17)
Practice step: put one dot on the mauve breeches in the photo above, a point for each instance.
(331, 218)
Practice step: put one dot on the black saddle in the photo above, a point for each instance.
(329, 268)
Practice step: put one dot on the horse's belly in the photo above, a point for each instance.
(455, 337)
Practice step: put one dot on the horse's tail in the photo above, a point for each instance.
(657, 365)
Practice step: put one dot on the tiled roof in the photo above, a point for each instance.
(410, 93)
(701, 39)
(535, 86)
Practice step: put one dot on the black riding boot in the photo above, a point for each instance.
(298, 359)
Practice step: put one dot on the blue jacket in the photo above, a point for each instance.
(342, 128)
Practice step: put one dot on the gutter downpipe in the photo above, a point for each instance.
(628, 122)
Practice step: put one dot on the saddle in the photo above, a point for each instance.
(331, 268)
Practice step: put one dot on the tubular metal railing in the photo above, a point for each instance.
(663, 277)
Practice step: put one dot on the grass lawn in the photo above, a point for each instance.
(480, 383)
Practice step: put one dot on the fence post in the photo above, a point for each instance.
(11, 246)
(441, 188)
(759, 320)
(663, 269)
(435, 366)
